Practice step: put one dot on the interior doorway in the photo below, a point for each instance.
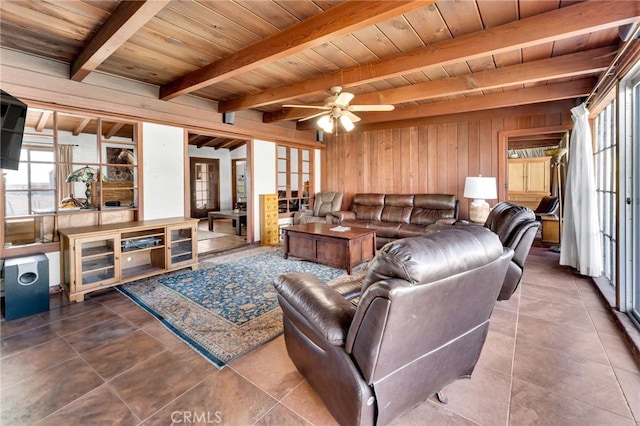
(205, 186)
(239, 183)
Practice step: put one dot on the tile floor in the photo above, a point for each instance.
(553, 357)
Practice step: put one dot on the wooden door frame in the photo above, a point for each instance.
(192, 161)
(503, 147)
(234, 187)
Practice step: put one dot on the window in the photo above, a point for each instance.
(74, 170)
(605, 157)
(30, 194)
(294, 171)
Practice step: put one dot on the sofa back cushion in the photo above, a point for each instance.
(368, 206)
(428, 208)
(397, 208)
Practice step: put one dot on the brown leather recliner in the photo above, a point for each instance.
(323, 204)
(373, 349)
(516, 227)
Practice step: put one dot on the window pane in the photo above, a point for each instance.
(17, 203)
(42, 176)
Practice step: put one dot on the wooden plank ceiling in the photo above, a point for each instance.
(427, 58)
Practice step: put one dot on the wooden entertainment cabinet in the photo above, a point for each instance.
(96, 257)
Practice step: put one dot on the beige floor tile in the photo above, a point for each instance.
(150, 385)
(630, 384)
(78, 322)
(587, 381)
(604, 323)
(497, 353)
(577, 343)
(42, 394)
(307, 404)
(270, 368)
(34, 360)
(483, 399)
(536, 405)
(432, 413)
(560, 313)
(122, 354)
(99, 334)
(27, 339)
(503, 321)
(619, 354)
(281, 415)
(567, 295)
(224, 397)
(98, 407)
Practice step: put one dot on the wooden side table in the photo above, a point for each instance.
(550, 230)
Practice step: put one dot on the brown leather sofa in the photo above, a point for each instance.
(375, 348)
(396, 216)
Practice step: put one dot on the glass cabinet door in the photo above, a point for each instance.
(182, 245)
(96, 261)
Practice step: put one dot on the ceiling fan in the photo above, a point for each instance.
(336, 107)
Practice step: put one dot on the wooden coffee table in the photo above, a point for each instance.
(318, 243)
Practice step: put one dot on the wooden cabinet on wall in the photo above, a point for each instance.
(269, 231)
(529, 180)
(95, 257)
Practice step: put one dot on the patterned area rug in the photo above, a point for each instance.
(229, 305)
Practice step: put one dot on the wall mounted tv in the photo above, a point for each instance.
(14, 115)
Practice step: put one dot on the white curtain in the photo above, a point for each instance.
(65, 156)
(581, 245)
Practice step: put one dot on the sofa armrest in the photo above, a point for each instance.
(341, 215)
(324, 309)
(447, 221)
(300, 214)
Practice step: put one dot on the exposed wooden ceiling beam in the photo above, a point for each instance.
(44, 117)
(588, 62)
(81, 126)
(335, 22)
(570, 21)
(125, 20)
(550, 92)
(114, 129)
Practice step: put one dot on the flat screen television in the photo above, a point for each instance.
(14, 115)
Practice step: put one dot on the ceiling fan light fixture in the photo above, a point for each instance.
(346, 123)
(326, 123)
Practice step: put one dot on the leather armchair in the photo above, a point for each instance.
(374, 348)
(323, 204)
(516, 226)
(548, 206)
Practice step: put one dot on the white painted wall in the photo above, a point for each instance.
(163, 171)
(263, 176)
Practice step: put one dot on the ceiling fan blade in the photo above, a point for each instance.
(343, 99)
(371, 108)
(354, 118)
(306, 106)
(315, 115)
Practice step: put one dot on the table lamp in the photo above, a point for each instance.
(87, 176)
(480, 189)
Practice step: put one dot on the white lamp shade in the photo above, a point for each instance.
(326, 123)
(346, 123)
(480, 188)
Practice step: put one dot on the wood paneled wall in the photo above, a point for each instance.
(432, 156)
